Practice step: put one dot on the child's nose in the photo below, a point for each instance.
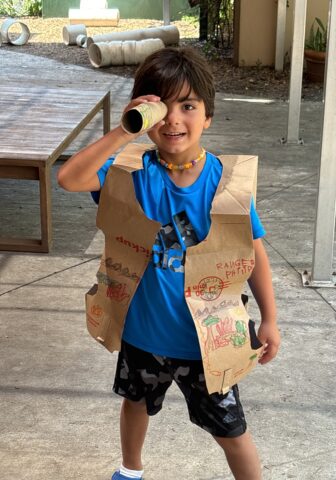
(172, 117)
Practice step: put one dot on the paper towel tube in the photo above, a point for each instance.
(144, 116)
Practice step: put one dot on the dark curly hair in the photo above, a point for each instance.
(166, 71)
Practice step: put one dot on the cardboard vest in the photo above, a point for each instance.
(215, 270)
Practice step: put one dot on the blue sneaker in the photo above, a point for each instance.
(118, 476)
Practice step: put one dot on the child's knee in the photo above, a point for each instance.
(235, 444)
(139, 406)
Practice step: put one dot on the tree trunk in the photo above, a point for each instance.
(203, 20)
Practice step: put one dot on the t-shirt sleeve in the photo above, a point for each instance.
(258, 230)
(102, 172)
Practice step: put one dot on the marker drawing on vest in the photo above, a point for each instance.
(215, 270)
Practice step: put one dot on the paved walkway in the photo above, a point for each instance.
(59, 420)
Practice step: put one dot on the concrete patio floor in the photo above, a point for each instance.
(59, 419)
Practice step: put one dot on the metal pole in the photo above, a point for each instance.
(322, 275)
(166, 12)
(280, 35)
(300, 10)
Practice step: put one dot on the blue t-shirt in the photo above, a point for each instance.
(158, 319)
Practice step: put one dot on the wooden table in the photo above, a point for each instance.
(36, 125)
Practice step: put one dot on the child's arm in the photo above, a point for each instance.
(79, 173)
(261, 286)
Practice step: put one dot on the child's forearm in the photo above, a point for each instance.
(79, 173)
(261, 286)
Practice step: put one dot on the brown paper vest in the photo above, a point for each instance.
(215, 269)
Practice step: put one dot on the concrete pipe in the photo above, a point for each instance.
(81, 41)
(143, 48)
(95, 17)
(168, 34)
(105, 54)
(129, 52)
(71, 32)
(23, 37)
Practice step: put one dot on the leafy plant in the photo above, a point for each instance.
(216, 21)
(317, 36)
(220, 22)
(18, 8)
(190, 19)
(11, 8)
(210, 51)
(33, 8)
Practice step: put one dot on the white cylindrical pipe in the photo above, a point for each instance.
(95, 17)
(81, 41)
(71, 32)
(169, 35)
(100, 54)
(128, 50)
(22, 39)
(143, 48)
(104, 54)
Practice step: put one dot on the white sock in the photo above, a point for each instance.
(130, 473)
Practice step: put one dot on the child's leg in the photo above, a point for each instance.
(242, 456)
(142, 379)
(222, 416)
(133, 427)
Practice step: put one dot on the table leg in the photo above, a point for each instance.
(45, 208)
(107, 113)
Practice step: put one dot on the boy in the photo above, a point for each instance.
(159, 342)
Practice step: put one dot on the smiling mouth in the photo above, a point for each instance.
(174, 135)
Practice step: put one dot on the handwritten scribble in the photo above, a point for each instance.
(123, 271)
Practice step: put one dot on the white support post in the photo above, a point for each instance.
(166, 12)
(295, 89)
(280, 35)
(322, 274)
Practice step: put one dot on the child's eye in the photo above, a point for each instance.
(188, 106)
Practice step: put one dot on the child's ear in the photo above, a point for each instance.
(207, 122)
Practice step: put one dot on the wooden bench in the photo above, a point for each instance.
(36, 125)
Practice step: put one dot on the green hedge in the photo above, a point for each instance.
(150, 9)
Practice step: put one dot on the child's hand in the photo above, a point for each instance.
(269, 335)
(138, 101)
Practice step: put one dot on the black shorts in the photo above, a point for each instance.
(142, 376)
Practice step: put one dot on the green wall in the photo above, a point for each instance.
(128, 8)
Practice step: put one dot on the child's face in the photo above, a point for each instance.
(179, 138)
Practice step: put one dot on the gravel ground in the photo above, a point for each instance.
(46, 41)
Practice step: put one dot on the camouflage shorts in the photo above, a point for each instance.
(142, 376)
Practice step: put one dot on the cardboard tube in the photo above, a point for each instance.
(71, 32)
(168, 34)
(22, 38)
(144, 116)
